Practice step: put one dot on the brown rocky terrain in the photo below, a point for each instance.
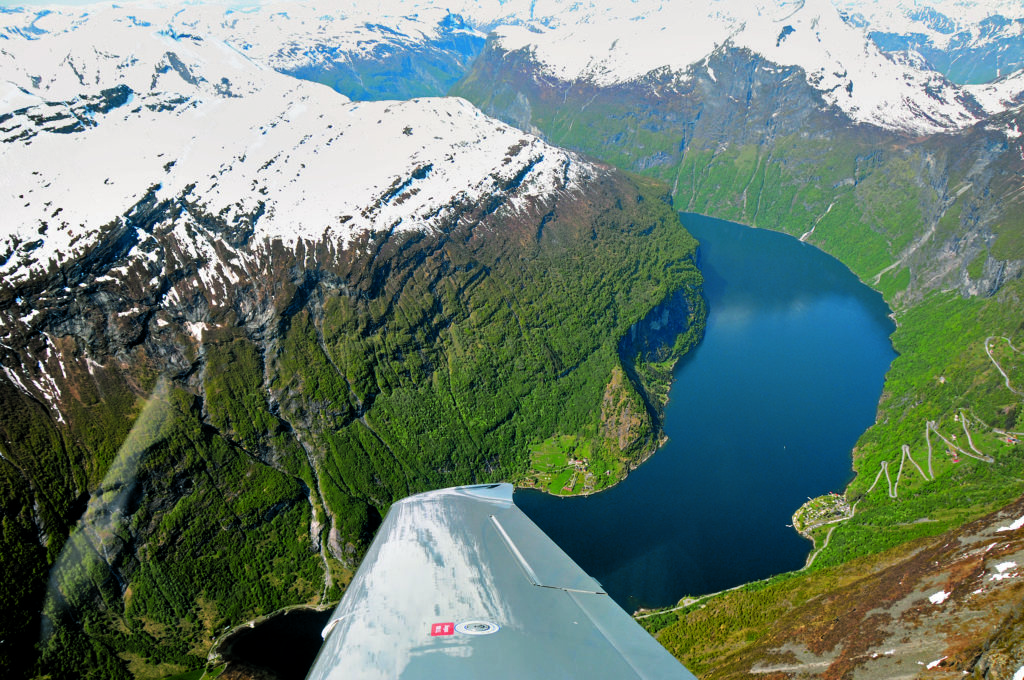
(948, 606)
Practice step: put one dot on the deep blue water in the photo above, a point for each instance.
(282, 646)
(761, 416)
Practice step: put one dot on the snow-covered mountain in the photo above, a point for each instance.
(155, 115)
(166, 168)
(969, 42)
(616, 44)
(358, 52)
(402, 49)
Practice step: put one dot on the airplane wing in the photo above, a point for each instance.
(459, 583)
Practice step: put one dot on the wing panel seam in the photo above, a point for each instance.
(531, 575)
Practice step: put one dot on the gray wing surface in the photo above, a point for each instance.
(459, 583)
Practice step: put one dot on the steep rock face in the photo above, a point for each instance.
(651, 348)
(241, 315)
(741, 138)
(396, 64)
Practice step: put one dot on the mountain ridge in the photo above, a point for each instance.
(715, 141)
(347, 45)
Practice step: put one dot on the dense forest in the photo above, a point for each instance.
(254, 476)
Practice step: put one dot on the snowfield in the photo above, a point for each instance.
(106, 113)
(624, 43)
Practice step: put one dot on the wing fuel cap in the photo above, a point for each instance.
(476, 628)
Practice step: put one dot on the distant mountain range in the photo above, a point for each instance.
(877, 62)
(968, 42)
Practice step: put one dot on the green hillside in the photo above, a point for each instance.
(255, 479)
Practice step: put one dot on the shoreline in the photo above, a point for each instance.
(681, 344)
(640, 461)
(216, 653)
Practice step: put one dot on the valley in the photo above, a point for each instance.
(228, 347)
(761, 415)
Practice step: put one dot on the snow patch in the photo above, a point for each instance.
(15, 378)
(935, 663)
(1017, 524)
(939, 597)
(1000, 95)
(1003, 570)
(195, 329)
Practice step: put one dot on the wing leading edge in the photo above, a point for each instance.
(459, 583)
